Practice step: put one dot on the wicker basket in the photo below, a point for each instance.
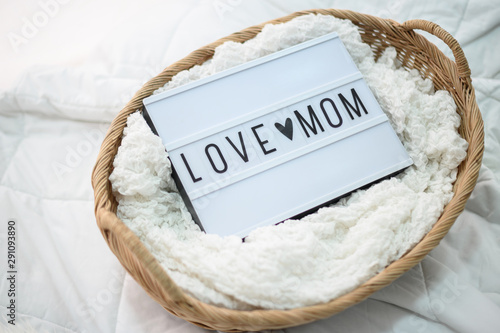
(415, 52)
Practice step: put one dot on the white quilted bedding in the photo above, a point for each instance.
(63, 82)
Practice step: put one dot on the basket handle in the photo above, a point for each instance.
(436, 30)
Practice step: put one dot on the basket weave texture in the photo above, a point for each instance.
(415, 52)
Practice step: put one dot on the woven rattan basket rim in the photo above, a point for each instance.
(141, 264)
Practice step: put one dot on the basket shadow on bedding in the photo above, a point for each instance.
(415, 52)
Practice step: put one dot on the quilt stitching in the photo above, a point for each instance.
(120, 301)
(64, 104)
(16, 150)
(427, 298)
(460, 20)
(44, 198)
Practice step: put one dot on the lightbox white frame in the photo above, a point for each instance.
(314, 56)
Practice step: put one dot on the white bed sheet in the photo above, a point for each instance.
(90, 58)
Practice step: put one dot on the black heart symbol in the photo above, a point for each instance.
(286, 130)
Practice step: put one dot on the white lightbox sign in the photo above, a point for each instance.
(275, 137)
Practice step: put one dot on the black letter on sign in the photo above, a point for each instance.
(313, 117)
(189, 169)
(262, 143)
(326, 114)
(244, 155)
(212, 161)
(348, 105)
